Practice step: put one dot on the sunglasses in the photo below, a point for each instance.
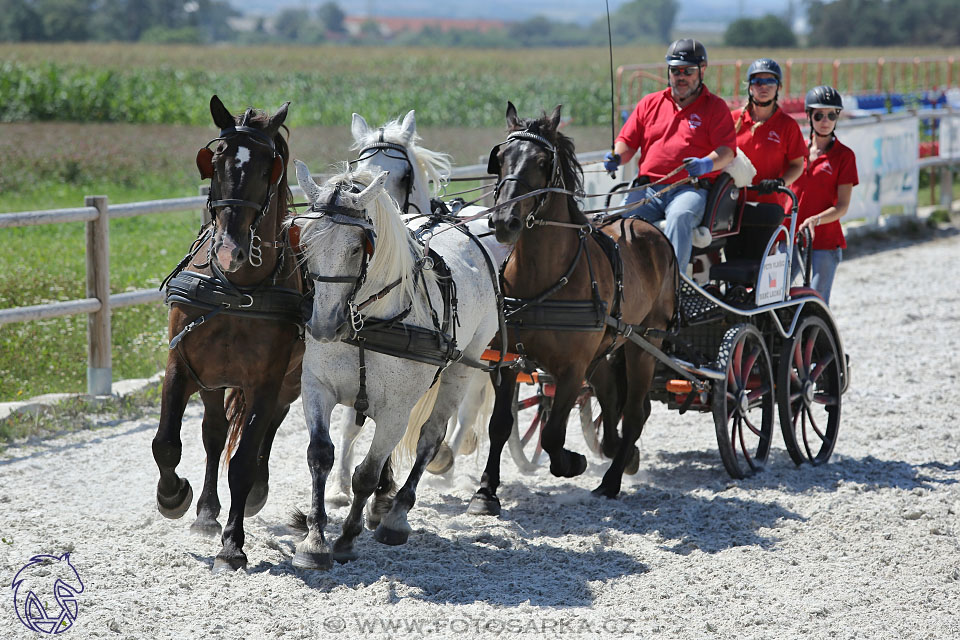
(763, 82)
(685, 71)
(831, 116)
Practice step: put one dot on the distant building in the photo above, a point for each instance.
(390, 27)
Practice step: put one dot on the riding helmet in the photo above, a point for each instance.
(765, 65)
(823, 97)
(686, 52)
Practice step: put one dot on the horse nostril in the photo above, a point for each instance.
(514, 224)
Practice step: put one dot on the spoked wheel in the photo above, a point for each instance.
(591, 419)
(808, 392)
(743, 403)
(524, 440)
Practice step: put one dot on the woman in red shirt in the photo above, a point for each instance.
(824, 188)
(771, 139)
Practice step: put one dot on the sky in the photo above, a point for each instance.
(583, 11)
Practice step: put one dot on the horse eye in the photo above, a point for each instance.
(355, 251)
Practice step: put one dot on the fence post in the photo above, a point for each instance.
(99, 370)
(946, 188)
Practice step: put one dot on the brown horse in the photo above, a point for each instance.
(558, 261)
(235, 305)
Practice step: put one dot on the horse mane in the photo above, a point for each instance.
(259, 120)
(395, 253)
(434, 165)
(570, 170)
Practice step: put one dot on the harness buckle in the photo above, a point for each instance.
(256, 252)
(248, 304)
(531, 222)
(356, 319)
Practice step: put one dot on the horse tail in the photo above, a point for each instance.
(234, 406)
(477, 428)
(406, 450)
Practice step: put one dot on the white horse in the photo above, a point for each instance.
(353, 289)
(416, 175)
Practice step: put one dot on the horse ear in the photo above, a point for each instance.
(205, 163)
(306, 183)
(512, 119)
(277, 172)
(367, 195)
(277, 119)
(359, 127)
(555, 117)
(221, 117)
(409, 125)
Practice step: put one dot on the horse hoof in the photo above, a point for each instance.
(339, 500)
(484, 505)
(228, 565)
(604, 492)
(633, 465)
(176, 506)
(309, 560)
(442, 460)
(568, 465)
(344, 557)
(207, 528)
(256, 499)
(391, 537)
(468, 445)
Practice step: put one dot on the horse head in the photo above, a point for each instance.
(245, 169)
(46, 578)
(337, 239)
(526, 161)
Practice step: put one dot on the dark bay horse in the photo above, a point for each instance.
(557, 260)
(234, 324)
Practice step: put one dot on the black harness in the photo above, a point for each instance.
(397, 152)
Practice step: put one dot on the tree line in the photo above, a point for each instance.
(832, 23)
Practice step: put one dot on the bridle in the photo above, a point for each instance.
(556, 179)
(207, 170)
(387, 149)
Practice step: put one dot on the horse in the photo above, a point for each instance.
(235, 322)
(416, 175)
(559, 262)
(377, 292)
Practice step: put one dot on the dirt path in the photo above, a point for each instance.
(865, 547)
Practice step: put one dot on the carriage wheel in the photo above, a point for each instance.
(591, 419)
(524, 440)
(808, 392)
(743, 403)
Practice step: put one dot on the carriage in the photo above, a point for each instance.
(745, 345)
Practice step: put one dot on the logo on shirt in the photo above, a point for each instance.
(773, 136)
(694, 121)
(827, 168)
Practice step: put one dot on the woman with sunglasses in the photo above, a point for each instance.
(771, 139)
(824, 188)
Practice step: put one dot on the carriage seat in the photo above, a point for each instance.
(744, 251)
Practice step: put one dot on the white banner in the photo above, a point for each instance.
(887, 166)
(950, 136)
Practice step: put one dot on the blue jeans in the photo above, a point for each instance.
(824, 268)
(681, 207)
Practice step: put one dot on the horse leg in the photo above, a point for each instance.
(382, 496)
(563, 462)
(214, 437)
(289, 391)
(609, 386)
(366, 478)
(394, 528)
(640, 368)
(313, 552)
(174, 493)
(349, 431)
(485, 501)
(260, 404)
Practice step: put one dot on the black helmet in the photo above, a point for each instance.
(823, 97)
(765, 65)
(686, 52)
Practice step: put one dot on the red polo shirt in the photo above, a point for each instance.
(817, 189)
(770, 147)
(666, 134)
